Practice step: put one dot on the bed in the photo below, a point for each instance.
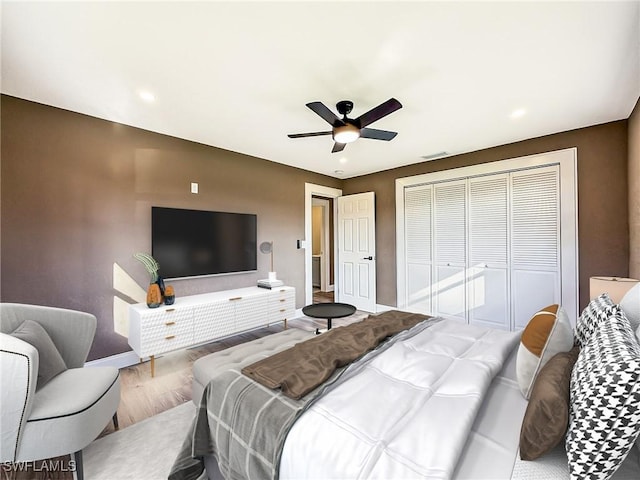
(383, 416)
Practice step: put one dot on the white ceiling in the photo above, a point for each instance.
(237, 75)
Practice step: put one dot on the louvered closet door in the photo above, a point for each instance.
(535, 242)
(418, 218)
(449, 292)
(487, 272)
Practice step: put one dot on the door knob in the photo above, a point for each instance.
(368, 258)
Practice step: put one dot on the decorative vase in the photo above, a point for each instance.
(169, 295)
(154, 298)
(160, 283)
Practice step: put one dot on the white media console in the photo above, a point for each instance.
(198, 319)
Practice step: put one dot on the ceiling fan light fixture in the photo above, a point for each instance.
(346, 130)
(346, 133)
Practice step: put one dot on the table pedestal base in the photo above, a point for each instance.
(322, 330)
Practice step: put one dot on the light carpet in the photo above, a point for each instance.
(143, 451)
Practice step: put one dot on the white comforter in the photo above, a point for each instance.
(407, 414)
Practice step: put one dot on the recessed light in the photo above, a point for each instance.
(338, 172)
(146, 95)
(520, 112)
(343, 160)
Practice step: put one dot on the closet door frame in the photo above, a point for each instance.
(567, 163)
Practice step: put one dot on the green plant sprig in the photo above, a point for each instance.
(149, 263)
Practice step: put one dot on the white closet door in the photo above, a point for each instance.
(535, 242)
(487, 272)
(418, 218)
(450, 226)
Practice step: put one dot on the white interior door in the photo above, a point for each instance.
(357, 251)
(419, 256)
(450, 242)
(535, 242)
(488, 267)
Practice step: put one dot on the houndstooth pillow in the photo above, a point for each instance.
(598, 310)
(604, 411)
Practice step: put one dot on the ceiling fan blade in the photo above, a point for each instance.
(338, 147)
(378, 112)
(324, 112)
(311, 134)
(377, 134)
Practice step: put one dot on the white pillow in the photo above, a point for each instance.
(548, 332)
(630, 305)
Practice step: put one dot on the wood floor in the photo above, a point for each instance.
(322, 297)
(143, 396)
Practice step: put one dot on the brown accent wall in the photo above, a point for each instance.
(77, 194)
(634, 192)
(603, 226)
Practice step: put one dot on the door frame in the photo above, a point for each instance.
(311, 189)
(325, 244)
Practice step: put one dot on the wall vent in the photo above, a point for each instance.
(433, 156)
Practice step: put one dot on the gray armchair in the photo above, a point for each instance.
(68, 412)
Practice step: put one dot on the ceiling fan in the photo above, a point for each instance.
(347, 130)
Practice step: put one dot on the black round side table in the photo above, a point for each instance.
(328, 311)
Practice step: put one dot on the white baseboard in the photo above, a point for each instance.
(120, 360)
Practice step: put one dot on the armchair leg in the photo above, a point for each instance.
(78, 458)
(115, 421)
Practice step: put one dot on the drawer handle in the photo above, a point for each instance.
(282, 291)
(283, 310)
(235, 298)
(169, 310)
(169, 337)
(169, 323)
(283, 299)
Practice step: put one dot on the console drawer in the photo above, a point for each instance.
(164, 329)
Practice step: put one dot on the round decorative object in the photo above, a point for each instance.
(266, 247)
(154, 297)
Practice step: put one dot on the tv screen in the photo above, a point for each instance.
(189, 243)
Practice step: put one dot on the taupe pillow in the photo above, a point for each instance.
(547, 416)
(51, 362)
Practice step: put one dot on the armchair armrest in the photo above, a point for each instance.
(19, 374)
(72, 332)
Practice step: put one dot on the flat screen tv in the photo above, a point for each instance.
(191, 243)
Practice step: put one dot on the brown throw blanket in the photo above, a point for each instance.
(303, 367)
